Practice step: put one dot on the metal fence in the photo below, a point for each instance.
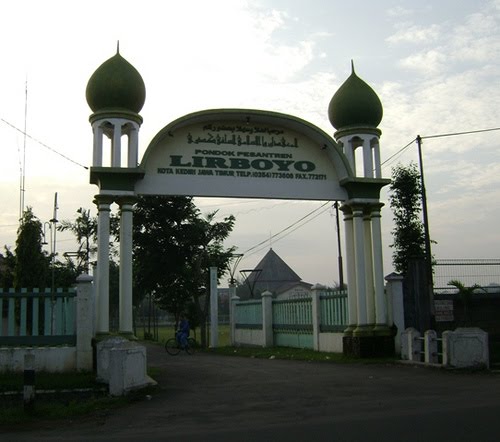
(37, 318)
(483, 272)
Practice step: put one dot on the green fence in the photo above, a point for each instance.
(248, 315)
(334, 313)
(34, 318)
(292, 323)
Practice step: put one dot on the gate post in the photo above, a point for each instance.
(267, 319)
(316, 314)
(84, 322)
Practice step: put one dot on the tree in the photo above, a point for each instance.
(465, 294)
(173, 248)
(405, 202)
(84, 227)
(7, 266)
(32, 266)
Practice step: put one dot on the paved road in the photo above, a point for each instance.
(206, 397)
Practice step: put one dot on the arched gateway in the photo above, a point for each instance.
(249, 154)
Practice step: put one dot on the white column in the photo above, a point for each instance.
(98, 134)
(125, 308)
(133, 147)
(116, 145)
(349, 153)
(367, 159)
(359, 259)
(378, 272)
(351, 269)
(316, 314)
(370, 291)
(232, 320)
(377, 159)
(214, 311)
(84, 322)
(267, 319)
(104, 208)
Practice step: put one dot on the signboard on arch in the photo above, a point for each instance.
(243, 153)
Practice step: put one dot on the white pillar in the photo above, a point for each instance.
(316, 314)
(367, 159)
(116, 145)
(232, 320)
(84, 322)
(214, 313)
(133, 147)
(378, 272)
(370, 291)
(267, 319)
(104, 208)
(98, 134)
(396, 313)
(126, 302)
(351, 270)
(359, 258)
(377, 159)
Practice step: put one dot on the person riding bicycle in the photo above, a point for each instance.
(183, 331)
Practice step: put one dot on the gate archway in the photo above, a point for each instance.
(244, 153)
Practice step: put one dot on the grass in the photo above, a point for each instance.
(61, 405)
(167, 332)
(49, 381)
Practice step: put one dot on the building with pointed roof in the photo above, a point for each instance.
(273, 274)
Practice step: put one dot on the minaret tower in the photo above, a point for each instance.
(116, 94)
(356, 111)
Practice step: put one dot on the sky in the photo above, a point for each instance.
(434, 64)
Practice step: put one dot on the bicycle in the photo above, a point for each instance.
(173, 346)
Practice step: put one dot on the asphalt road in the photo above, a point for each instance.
(206, 397)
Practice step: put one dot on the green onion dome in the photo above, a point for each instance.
(116, 85)
(355, 104)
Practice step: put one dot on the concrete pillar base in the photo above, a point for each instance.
(368, 346)
(363, 330)
(382, 330)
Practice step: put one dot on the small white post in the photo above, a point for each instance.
(430, 347)
(29, 382)
(267, 319)
(414, 345)
(214, 313)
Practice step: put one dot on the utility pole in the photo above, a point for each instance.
(428, 254)
(341, 270)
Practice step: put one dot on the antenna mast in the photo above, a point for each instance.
(22, 188)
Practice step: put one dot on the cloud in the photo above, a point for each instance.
(398, 11)
(415, 34)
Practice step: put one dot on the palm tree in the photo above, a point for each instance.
(465, 294)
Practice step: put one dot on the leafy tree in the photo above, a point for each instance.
(32, 266)
(174, 246)
(405, 202)
(7, 266)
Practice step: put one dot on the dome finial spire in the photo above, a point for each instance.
(118, 47)
(352, 66)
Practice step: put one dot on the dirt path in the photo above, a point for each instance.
(209, 397)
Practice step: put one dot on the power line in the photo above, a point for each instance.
(452, 134)
(460, 133)
(43, 144)
(288, 232)
(286, 228)
(399, 151)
